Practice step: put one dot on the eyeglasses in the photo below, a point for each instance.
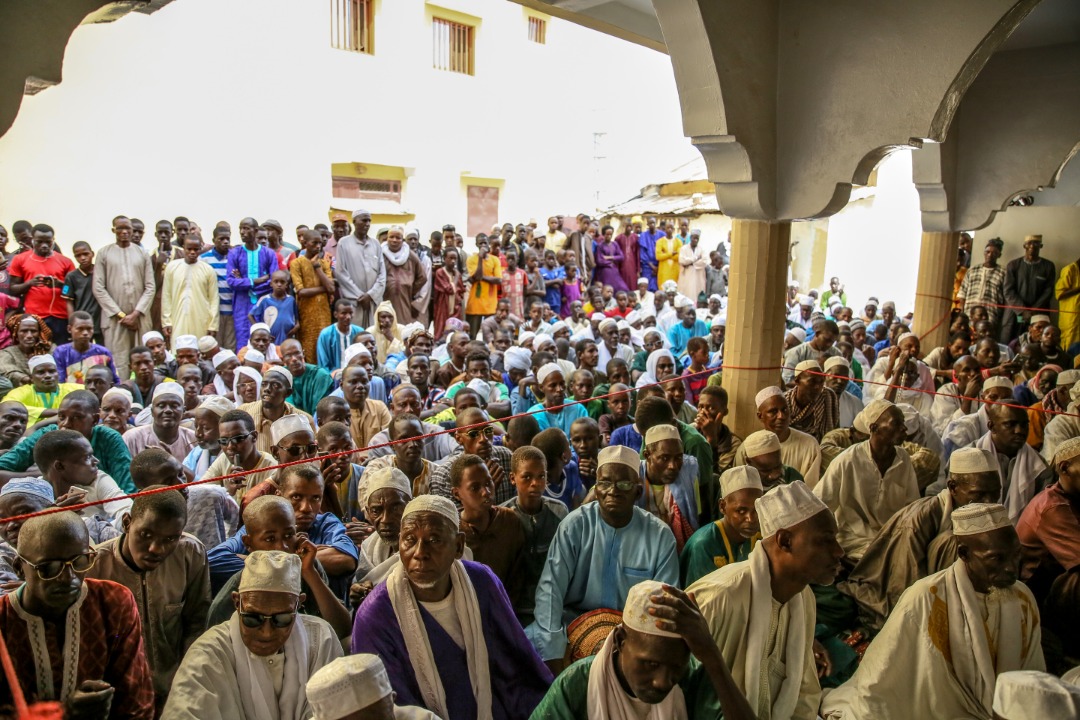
(621, 485)
(277, 620)
(234, 440)
(487, 430)
(297, 450)
(52, 569)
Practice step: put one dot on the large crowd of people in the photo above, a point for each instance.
(359, 477)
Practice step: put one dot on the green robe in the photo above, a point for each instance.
(708, 549)
(311, 387)
(567, 698)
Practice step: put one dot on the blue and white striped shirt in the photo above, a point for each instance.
(225, 293)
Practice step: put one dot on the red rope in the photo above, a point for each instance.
(1021, 308)
(12, 680)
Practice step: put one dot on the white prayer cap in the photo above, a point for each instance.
(543, 341)
(525, 337)
(353, 351)
(1034, 695)
(873, 411)
(618, 455)
(966, 461)
(643, 281)
(410, 330)
(670, 286)
(29, 486)
(433, 504)
(169, 388)
(905, 336)
(633, 317)
(282, 372)
(683, 302)
(836, 361)
(185, 342)
(152, 335)
(761, 443)
(1072, 676)
(719, 321)
(997, 381)
(598, 317)
(386, 477)
(622, 325)
(480, 386)
(258, 326)
(287, 425)
(798, 333)
(216, 404)
(207, 343)
(557, 326)
(805, 300)
(358, 213)
(833, 300)
(804, 366)
(793, 284)
(607, 322)
(648, 312)
(346, 686)
(1067, 377)
(786, 506)
(516, 358)
(118, 392)
(1067, 450)
(715, 297)
(255, 356)
(765, 394)
(1074, 392)
(636, 609)
(843, 325)
(271, 571)
(738, 478)
(1038, 319)
(978, 518)
(659, 433)
(222, 357)
(911, 417)
(38, 360)
(542, 373)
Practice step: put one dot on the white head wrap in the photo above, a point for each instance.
(346, 686)
(385, 477)
(185, 342)
(525, 337)
(287, 425)
(222, 357)
(966, 461)
(670, 286)
(251, 374)
(682, 301)
(152, 335)
(633, 317)
(542, 341)
(719, 321)
(786, 506)
(1034, 695)
(659, 433)
(618, 455)
(169, 388)
(38, 360)
(543, 372)
(636, 609)
(761, 443)
(516, 358)
(557, 326)
(410, 330)
(433, 504)
(978, 518)
(271, 571)
(353, 351)
(765, 394)
(741, 477)
(258, 326)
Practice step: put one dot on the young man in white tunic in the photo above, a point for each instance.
(951, 634)
(256, 665)
(761, 612)
(870, 481)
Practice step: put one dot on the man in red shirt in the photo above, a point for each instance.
(39, 277)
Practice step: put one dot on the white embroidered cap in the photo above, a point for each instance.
(798, 333)
(761, 443)
(804, 366)
(525, 337)
(207, 343)
(433, 504)
(169, 388)
(905, 336)
(152, 335)
(287, 425)
(258, 326)
(836, 361)
(765, 394)
(346, 686)
(271, 571)
(38, 360)
(670, 286)
(1067, 450)
(636, 609)
(255, 356)
(1068, 377)
(1034, 695)
(618, 455)
(216, 404)
(353, 351)
(873, 411)
(608, 322)
(597, 317)
(542, 373)
(282, 374)
(386, 477)
(978, 518)
(997, 381)
(741, 477)
(185, 342)
(1038, 319)
(969, 460)
(222, 357)
(786, 506)
(659, 433)
(681, 301)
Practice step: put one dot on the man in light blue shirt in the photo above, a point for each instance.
(553, 385)
(689, 327)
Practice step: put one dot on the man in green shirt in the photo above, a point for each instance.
(311, 383)
(731, 538)
(78, 411)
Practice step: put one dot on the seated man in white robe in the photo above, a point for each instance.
(1024, 473)
(797, 449)
(1034, 695)
(762, 451)
(356, 687)
(256, 665)
(918, 541)
(870, 481)
(940, 651)
(963, 430)
(960, 394)
(762, 613)
(659, 663)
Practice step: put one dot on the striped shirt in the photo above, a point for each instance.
(225, 293)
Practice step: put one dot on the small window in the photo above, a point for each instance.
(537, 30)
(351, 25)
(367, 189)
(452, 46)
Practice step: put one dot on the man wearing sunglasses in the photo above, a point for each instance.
(476, 441)
(255, 666)
(91, 624)
(240, 452)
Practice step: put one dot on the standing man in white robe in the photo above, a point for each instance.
(951, 634)
(189, 295)
(124, 288)
(761, 612)
(256, 665)
(360, 271)
(692, 264)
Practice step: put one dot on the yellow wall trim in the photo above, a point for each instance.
(367, 170)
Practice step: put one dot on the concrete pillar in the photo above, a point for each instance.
(755, 315)
(937, 274)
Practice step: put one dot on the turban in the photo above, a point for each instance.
(670, 286)
(516, 358)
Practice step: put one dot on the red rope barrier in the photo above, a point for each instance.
(1021, 308)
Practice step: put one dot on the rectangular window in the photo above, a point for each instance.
(367, 188)
(537, 30)
(351, 25)
(452, 46)
(483, 208)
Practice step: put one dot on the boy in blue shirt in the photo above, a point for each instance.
(278, 309)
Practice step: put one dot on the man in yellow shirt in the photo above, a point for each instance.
(1068, 295)
(485, 277)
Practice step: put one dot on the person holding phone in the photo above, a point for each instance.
(38, 277)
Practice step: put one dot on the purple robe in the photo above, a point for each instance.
(519, 679)
(609, 261)
(629, 246)
(244, 295)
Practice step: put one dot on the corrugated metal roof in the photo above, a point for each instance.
(697, 204)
